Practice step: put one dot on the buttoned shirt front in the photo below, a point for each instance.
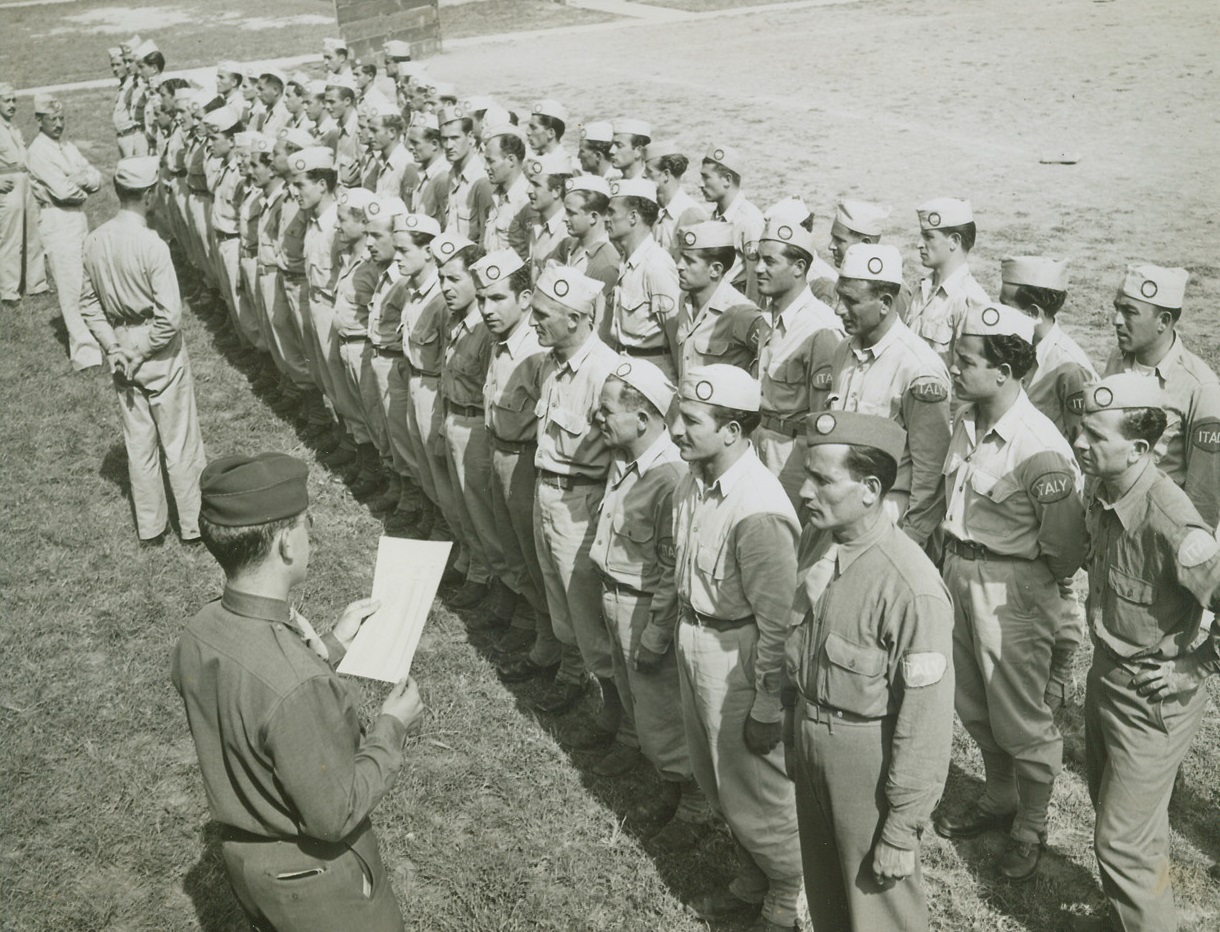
(728, 330)
(355, 278)
(568, 443)
(322, 249)
(121, 112)
(1056, 382)
(277, 118)
(280, 743)
(545, 237)
(506, 227)
(385, 310)
(1017, 489)
(902, 378)
(467, 354)
(599, 260)
(294, 223)
(347, 151)
(269, 226)
(12, 149)
(937, 313)
(431, 190)
(226, 217)
(735, 557)
(248, 219)
(633, 543)
(646, 299)
(423, 324)
(794, 365)
(1189, 450)
(391, 170)
(681, 211)
(59, 174)
(470, 199)
(511, 389)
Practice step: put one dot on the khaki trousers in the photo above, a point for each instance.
(784, 459)
(63, 232)
(21, 256)
(468, 454)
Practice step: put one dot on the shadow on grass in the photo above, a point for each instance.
(207, 884)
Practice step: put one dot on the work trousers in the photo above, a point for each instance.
(21, 255)
(565, 521)
(1133, 748)
(784, 459)
(284, 341)
(226, 256)
(63, 231)
(1005, 617)
(354, 360)
(468, 455)
(752, 792)
(307, 885)
(249, 305)
(373, 373)
(289, 327)
(159, 419)
(428, 452)
(841, 807)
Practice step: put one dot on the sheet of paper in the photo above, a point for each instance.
(405, 580)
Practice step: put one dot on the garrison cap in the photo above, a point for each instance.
(872, 262)
(789, 210)
(245, 491)
(228, 66)
(439, 89)
(184, 94)
(386, 209)
(315, 157)
(595, 183)
(727, 156)
(997, 320)
(633, 128)
(413, 71)
(495, 115)
(426, 120)
(46, 103)
(396, 49)
(131, 43)
(345, 81)
(1155, 284)
(315, 88)
(634, 187)
(251, 71)
(144, 49)
(859, 217)
(445, 246)
(334, 45)
(477, 103)
(722, 385)
(274, 73)
(553, 109)
(356, 198)
(944, 212)
(856, 430)
(549, 163)
(648, 380)
(790, 234)
(1035, 271)
(1123, 390)
(416, 223)
(570, 287)
(496, 266)
(245, 139)
(378, 105)
(222, 119)
(451, 113)
(295, 135)
(300, 79)
(598, 131)
(492, 130)
(659, 150)
(711, 234)
(115, 53)
(138, 172)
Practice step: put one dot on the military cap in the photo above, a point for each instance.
(115, 53)
(222, 119)
(251, 71)
(856, 430)
(445, 246)
(312, 158)
(300, 79)
(378, 105)
(396, 49)
(416, 223)
(424, 119)
(356, 198)
(495, 115)
(944, 212)
(296, 136)
(138, 172)
(789, 210)
(722, 385)
(571, 288)
(245, 139)
(549, 163)
(315, 88)
(412, 71)
(450, 113)
(131, 43)
(595, 183)
(477, 103)
(7, 89)
(648, 380)
(144, 49)
(711, 234)
(492, 130)
(727, 156)
(274, 73)
(228, 66)
(633, 127)
(334, 45)
(1155, 284)
(1123, 390)
(659, 150)
(790, 234)
(245, 491)
(997, 320)
(859, 217)
(386, 209)
(439, 89)
(342, 80)
(496, 266)
(597, 131)
(46, 103)
(634, 187)
(551, 108)
(185, 93)
(1035, 271)
(872, 262)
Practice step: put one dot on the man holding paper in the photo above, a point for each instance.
(290, 774)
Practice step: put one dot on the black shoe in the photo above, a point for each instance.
(151, 543)
(519, 669)
(619, 762)
(559, 698)
(400, 523)
(1019, 862)
(723, 904)
(971, 821)
(469, 596)
(676, 837)
(339, 456)
(657, 808)
(513, 641)
(587, 738)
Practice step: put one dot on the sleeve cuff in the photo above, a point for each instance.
(767, 709)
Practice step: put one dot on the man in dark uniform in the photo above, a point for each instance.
(290, 773)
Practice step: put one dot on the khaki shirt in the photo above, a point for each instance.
(794, 365)
(646, 300)
(467, 353)
(269, 219)
(937, 314)
(248, 219)
(511, 389)
(431, 190)
(545, 237)
(385, 310)
(391, 171)
(681, 211)
(902, 378)
(59, 174)
(634, 540)
(1056, 382)
(735, 555)
(469, 199)
(1016, 490)
(728, 329)
(747, 221)
(226, 217)
(294, 223)
(322, 250)
(509, 220)
(355, 278)
(423, 324)
(1189, 450)
(568, 443)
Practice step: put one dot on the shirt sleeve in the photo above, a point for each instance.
(765, 548)
(92, 314)
(167, 304)
(821, 354)
(663, 612)
(332, 777)
(1054, 486)
(1202, 452)
(925, 413)
(481, 204)
(51, 170)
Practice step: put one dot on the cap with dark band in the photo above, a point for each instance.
(856, 430)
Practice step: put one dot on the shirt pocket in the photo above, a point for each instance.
(993, 515)
(938, 332)
(425, 348)
(515, 414)
(631, 544)
(711, 561)
(712, 348)
(855, 677)
(568, 429)
(637, 320)
(788, 381)
(1133, 601)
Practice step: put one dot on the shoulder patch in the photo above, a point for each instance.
(923, 669)
(1206, 435)
(821, 379)
(1197, 547)
(665, 552)
(1051, 487)
(929, 390)
(1075, 403)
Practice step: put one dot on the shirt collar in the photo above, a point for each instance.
(1043, 350)
(576, 360)
(955, 280)
(255, 606)
(430, 283)
(515, 340)
(1010, 421)
(1132, 504)
(730, 477)
(637, 255)
(553, 224)
(473, 317)
(644, 461)
(729, 211)
(788, 314)
(886, 341)
(852, 550)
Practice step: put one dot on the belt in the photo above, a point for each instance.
(791, 427)
(422, 374)
(512, 446)
(294, 277)
(180, 173)
(128, 131)
(692, 617)
(463, 410)
(614, 585)
(387, 351)
(558, 481)
(969, 550)
(640, 352)
(220, 235)
(357, 338)
(816, 712)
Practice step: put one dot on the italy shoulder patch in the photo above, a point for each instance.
(1197, 547)
(925, 668)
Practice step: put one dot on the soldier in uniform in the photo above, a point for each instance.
(1014, 526)
(867, 741)
(291, 774)
(1146, 313)
(627, 150)
(394, 173)
(820, 275)
(469, 198)
(721, 174)
(794, 365)
(335, 57)
(1154, 565)
(862, 222)
(344, 140)
(716, 322)
(664, 166)
(395, 51)
(547, 123)
(946, 235)
(587, 247)
(129, 301)
(596, 151)
(432, 182)
(507, 224)
(547, 177)
(22, 264)
(644, 315)
(735, 536)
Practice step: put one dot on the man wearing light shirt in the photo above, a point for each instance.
(720, 176)
(469, 199)
(664, 166)
(432, 183)
(547, 176)
(21, 255)
(507, 223)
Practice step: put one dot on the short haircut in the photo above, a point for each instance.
(879, 289)
(428, 134)
(367, 68)
(601, 148)
(594, 201)
(240, 548)
(511, 145)
(634, 400)
(1145, 424)
(126, 195)
(274, 81)
(345, 93)
(796, 254)
(260, 158)
(676, 164)
(468, 254)
(648, 210)
(466, 122)
(554, 124)
(725, 255)
(328, 176)
(726, 173)
(862, 462)
(170, 85)
(156, 59)
(1048, 299)
(1009, 350)
(421, 240)
(638, 141)
(748, 421)
(391, 121)
(520, 281)
(967, 233)
(557, 183)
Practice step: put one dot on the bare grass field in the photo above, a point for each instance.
(103, 822)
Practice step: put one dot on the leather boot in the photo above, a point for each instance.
(612, 705)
